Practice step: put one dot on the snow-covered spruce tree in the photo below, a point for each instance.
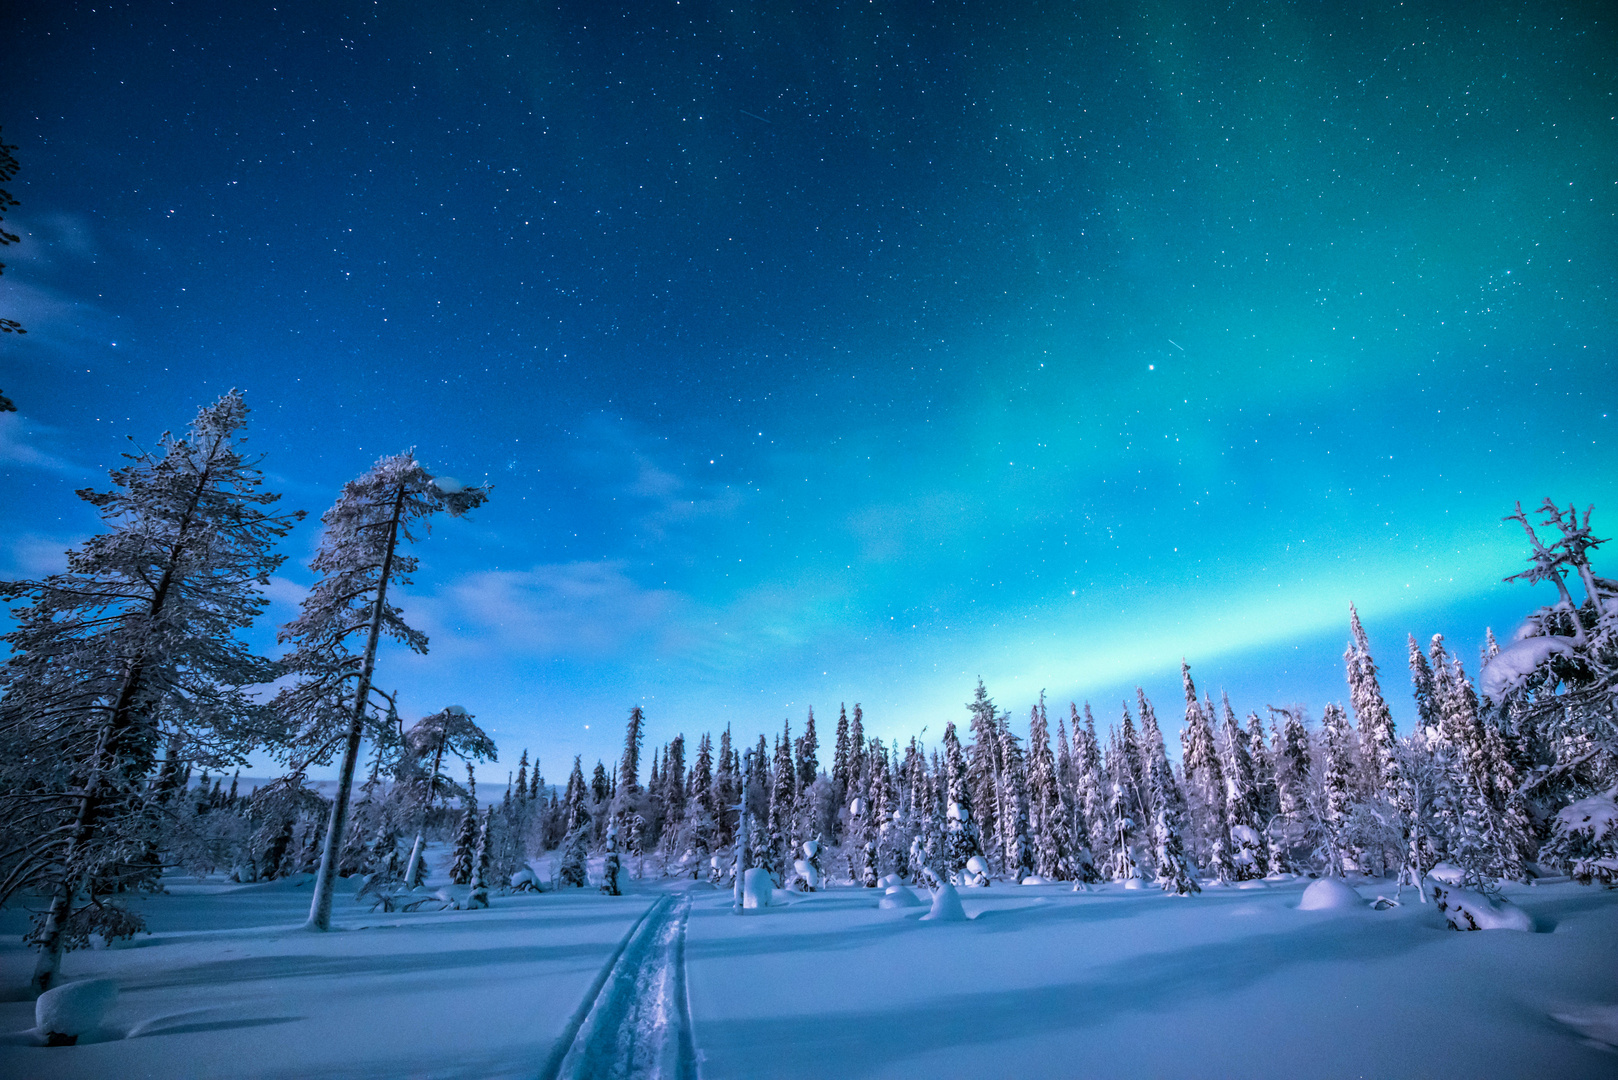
(574, 811)
(839, 761)
(1205, 783)
(961, 828)
(783, 793)
(1091, 785)
(1173, 874)
(575, 850)
(330, 703)
(448, 731)
(1482, 837)
(1242, 804)
(983, 764)
(466, 839)
(132, 646)
(610, 869)
(479, 896)
(1337, 781)
(1052, 824)
(1379, 779)
(1371, 710)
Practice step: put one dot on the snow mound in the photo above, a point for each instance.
(806, 870)
(1250, 885)
(1467, 910)
(524, 881)
(757, 888)
(900, 896)
(1134, 883)
(1329, 894)
(74, 1009)
(1034, 879)
(976, 872)
(1598, 1022)
(888, 881)
(1514, 663)
(1448, 873)
(946, 905)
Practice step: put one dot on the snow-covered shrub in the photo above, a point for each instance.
(73, 1009)
(946, 905)
(1584, 840)
(1465, 909)
(758, 890)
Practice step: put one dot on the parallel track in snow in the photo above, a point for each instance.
(635, 1023)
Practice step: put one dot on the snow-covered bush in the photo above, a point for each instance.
(1584, 840)
(73, 1009)
(1465, 909)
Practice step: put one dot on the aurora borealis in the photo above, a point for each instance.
(835, 353)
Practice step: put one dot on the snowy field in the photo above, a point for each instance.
(1039, 981)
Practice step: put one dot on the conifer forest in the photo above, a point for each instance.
(869, 539)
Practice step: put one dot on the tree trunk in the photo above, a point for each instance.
(326, 879)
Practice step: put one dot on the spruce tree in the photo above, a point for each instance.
(463, 859)
(839, 764)
(1242, 803)
(983, 766)
(961, 828)
(1338, 781)
(1051, 824)
(133, 644)
(479, 896)
(1205, 781)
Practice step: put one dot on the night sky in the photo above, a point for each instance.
(829, 353)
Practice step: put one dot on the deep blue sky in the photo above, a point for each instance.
(833, 353)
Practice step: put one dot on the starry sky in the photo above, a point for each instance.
(826, 353)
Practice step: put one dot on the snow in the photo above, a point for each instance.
(1596, 1022)
(1330, 894)
(75, 1008)
(1514, 663)
(1597, 815)
(1447, 873)
(900, 896)
(757, 889)
(1039, 982)
(946, 906)
(976, 872)
(1468, 910)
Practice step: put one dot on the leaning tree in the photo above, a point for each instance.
(332, 704)
(132, 648)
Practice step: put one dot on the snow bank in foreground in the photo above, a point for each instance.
(1330, 894)
(74, 1009)
(946, 905)
(1468, 910)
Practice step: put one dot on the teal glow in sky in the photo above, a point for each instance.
(849, 353)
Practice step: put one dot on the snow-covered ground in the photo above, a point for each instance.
(1038, 981)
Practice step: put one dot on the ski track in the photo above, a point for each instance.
(638, 1027)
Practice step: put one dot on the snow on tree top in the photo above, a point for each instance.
(1520, 659)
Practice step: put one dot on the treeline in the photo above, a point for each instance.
(1511, 782)
(126, 675)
